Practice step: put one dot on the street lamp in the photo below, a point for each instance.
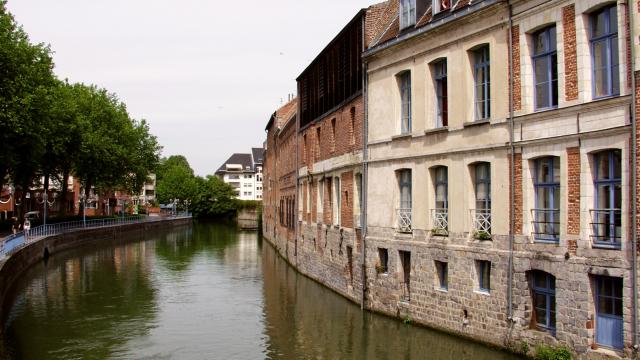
(83, 200)
(106, 204)
(174, 203)
(45, 203)
(186, 205)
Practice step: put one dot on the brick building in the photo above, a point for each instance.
(279, 183)
(491, 160)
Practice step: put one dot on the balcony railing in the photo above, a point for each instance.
(606, 227)
(440, 221)
(546, 224)
(404, 220)
(481, 219)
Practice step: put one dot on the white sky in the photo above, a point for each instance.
(206, 75)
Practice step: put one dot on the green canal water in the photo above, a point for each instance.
(206, 292)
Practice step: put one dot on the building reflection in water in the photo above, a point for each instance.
(305, 320)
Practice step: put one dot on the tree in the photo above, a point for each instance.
(175, 180)
(26, 79)
(215, 198)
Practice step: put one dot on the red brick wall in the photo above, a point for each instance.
(517, 90)
(348, 134)
(573, 193)
(304, 201)
(570, 54)
(517, 186)
(346, 206)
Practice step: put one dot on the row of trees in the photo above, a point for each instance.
(52, 129)
(209, 196)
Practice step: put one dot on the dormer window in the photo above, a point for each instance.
(441, 5)
(407, 13)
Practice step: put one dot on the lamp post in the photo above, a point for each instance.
(45, 203)
(83, 200)
(186, 205)
(124, 205)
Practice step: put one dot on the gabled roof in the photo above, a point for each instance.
(391, 25)
(237, 159)
(283, 114)
(257, 156)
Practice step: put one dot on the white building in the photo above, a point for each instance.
(244, 173)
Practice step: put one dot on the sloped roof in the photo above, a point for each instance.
(283, 114)
(390, 27)
(258, 155)
(240, 159)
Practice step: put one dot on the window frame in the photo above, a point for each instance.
(554, 238)
(441, 182)
(407, 13)
(486, 182)
(611, 181)
(480, 62)
(550, 55)
(442, 270)
(404, 80)
(405, 180)
(549, 293)
(609, 37)
(483, 265)
(441, 92)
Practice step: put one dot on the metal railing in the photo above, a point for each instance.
(404, 220)
(546, 224)
(19, 240)
(440, 221)
(481, 219)
(606, 227)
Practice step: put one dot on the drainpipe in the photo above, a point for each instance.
(634, 188)
(295, 197)
(363, 206)
(512, 224)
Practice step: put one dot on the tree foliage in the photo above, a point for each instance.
(209, 196)
(52, 129)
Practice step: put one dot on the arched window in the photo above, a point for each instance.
(545, 68)
(546, 185)
(607, 215)
(543, 293)
(604, 51)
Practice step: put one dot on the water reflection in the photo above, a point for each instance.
(201, 292)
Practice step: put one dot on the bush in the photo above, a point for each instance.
(544, 352)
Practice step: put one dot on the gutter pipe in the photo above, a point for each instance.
(512, 195)
(365, 167)
(634, 177)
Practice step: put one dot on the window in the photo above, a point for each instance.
(543, 290)
(441, 5)
(320, 204)
(483, 268)
(442, 106)
(317, 149)
(358, 199)
(607, 216)
(441, 211)
(338, 195)
(383, 259)
(352, 116)
(405, 99)
(405, 262)
(443, 276)
(482, 80)
(407, 13)
(482, 216)
(333, 134)
(404, 211)
(545, 68)
(546, 223)
(604, 52)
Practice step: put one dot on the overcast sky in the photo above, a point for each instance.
(206, 74)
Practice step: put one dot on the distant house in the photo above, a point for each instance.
(244, 173)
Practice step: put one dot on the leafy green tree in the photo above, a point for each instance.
(175, 180)
(215, 198)
(26, 79)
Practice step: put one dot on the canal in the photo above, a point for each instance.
(206, 292)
